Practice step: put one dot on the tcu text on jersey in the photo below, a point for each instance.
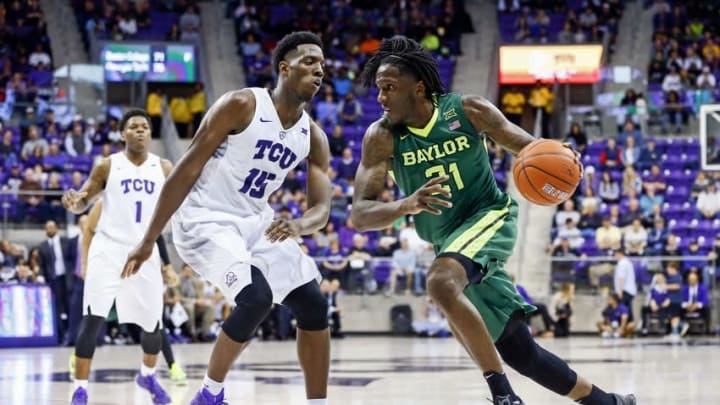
(275, 152)
(137, 185)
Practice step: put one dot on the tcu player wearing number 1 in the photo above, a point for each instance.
(434, 143)
(129, 183)
(245, 146)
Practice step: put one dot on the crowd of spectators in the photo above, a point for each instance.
(685, 59)
(559, 21)
(25, 61)
(157, 20)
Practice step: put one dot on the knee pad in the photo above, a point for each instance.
(151, 342)
(86, 340)
(253, 304)
(518, 349)
(309, 306)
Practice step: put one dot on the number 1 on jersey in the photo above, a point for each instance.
(439, 170)
(138, 211)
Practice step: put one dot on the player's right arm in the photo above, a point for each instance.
(77, 201)
(368, 213)
(231, 113)
(88, 233)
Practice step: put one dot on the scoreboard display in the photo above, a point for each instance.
(27, 316)
(123, 62)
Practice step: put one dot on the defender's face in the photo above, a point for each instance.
(304, 70)
(137, 134)
(396, 94)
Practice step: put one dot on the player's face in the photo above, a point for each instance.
(397, 94)
(304, 70)
(137, 134)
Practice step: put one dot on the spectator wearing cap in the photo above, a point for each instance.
(708, 202)
(93, 134)
(624, 282)
(26, 121)
(706, 84)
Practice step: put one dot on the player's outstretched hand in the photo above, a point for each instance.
(71, 198)
(136, 258)
(426, 197)
(282, 229)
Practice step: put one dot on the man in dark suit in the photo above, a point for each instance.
(58, 257)
(695, 301)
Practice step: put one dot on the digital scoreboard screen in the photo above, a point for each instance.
(26, 315)
(153, 63)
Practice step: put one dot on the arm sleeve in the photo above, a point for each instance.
(162, 249)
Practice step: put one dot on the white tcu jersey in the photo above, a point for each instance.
(248, 167)
(129, 199)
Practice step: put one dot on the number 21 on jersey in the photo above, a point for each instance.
(439, 170)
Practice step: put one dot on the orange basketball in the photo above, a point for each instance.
(546, 172)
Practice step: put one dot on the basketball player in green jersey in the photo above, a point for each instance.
(434, 145)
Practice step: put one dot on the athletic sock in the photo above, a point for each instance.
(597, 397)
(498, 383)
(146, 371)
(212, 386)
(81, 384)
(322, 401)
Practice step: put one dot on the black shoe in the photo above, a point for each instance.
(628, 399)
(508, 400)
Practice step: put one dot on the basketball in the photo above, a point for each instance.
(546, 172)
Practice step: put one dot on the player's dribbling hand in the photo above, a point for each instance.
(71, 198)
(136, 258)
(577, 157)
(424, 198)
(282, 229)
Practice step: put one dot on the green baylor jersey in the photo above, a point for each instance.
(448, 145)
(482, 223)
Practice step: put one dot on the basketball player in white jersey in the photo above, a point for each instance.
(129, 183)
(245, 146)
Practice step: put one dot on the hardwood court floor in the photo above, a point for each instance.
(376, 370)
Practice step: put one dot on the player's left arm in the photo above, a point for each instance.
(318, 193)
(486, 118)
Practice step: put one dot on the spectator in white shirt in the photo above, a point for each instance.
(568, 211)
(127, 24)
(708, 202)
(635, 238)
(570, 232)
(672, 81)
(706, 80)
(39, 56)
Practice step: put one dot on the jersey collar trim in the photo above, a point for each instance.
(424, 132)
